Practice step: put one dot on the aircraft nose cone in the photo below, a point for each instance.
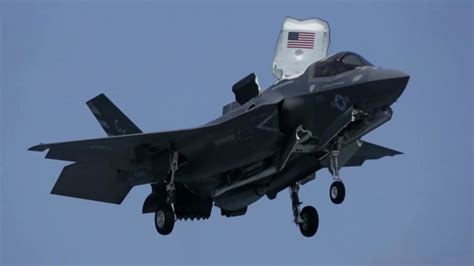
(382, 74)
(388, 85)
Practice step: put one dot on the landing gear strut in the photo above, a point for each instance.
(170, 188)
(307, 219)
(165, 215)
(337, 191)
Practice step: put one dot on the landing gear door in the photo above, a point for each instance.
(301, 43)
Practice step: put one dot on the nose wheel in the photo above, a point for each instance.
(307, 219)
(337, 192)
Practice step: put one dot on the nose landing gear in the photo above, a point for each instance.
(337, 191)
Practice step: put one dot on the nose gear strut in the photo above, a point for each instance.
(337, 191)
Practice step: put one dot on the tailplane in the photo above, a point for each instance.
(112, 120)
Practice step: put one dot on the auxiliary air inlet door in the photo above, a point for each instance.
(300, 44)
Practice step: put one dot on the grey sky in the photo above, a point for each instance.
(150, 56)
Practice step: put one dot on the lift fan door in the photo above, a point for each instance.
(246, 89)
(300, 44)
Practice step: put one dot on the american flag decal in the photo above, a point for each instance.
(303, 40)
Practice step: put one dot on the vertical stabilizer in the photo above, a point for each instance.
(112, 120)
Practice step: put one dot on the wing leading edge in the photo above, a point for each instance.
(121, 148)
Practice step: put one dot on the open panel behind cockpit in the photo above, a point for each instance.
(301, 43)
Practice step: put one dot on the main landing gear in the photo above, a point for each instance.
(307, 219)
(165, 215)
(337, 191)
(164, 219)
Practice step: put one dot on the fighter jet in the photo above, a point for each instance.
(312, 118)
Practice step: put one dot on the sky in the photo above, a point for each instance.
(171, 65)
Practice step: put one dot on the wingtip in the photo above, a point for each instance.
(395, 153)
(40, 147)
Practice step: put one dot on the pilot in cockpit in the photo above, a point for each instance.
(337, 64)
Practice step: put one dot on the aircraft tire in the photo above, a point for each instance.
(337, 192)
(164, 220)
(310, 223)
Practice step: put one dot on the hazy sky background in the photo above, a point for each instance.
(170, 66)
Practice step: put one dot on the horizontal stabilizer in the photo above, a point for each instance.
(90, 181)
(112, 120)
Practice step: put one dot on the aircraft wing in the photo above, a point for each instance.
(122, 148)
(369, 151)
(94, 174)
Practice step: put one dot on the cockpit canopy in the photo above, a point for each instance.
(337, 64)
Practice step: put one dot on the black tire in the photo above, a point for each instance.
(337, 192)
(164, 220)
(310, 221)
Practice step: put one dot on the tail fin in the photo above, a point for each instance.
(112, 120)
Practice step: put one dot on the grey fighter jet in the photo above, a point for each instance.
(265, 142)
